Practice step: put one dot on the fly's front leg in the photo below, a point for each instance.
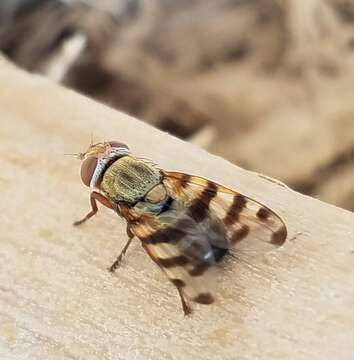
(115, 265)
(94, 197)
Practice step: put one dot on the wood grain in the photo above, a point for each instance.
(57, 299)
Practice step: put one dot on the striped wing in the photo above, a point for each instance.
(203, 221)
(183, 249)
(249, 225)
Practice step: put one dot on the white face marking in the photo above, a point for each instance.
(102, 162)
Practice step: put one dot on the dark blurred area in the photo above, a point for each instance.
(267, 84)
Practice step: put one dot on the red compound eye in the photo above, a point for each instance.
(88, 167)
(116, 144)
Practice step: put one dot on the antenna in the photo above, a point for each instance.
(79, 156)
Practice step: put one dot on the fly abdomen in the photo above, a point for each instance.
(218, 252)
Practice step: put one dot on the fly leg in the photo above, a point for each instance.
(115, 265)
(178, 283)
(94, 197)
(187, 309)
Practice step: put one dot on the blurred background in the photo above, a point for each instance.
(266, 84)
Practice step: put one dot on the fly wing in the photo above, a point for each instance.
(193, 233)
(183, 249)
(248, 224)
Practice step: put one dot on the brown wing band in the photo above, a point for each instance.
(238, 203)
(200, 206)
(204, 298)
(263, 214)
(239, 234)
(171, 234)
(199, 269)
(279, 237)
(178, 283)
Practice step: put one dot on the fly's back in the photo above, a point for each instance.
(129, 179)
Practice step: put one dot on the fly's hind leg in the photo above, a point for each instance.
(187, 309)
(115, 265)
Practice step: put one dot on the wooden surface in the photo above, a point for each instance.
(57, 300)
